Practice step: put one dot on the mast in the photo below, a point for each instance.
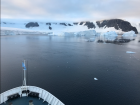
(24, 72)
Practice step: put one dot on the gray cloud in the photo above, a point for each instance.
(73, 10)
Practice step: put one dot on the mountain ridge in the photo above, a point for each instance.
(118, 25)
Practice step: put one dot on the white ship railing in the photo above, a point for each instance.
(43, 94)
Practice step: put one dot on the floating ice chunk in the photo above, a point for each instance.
(130, 52)
(129, 35)
(95, 79)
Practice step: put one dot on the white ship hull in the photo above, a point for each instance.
(43, 94)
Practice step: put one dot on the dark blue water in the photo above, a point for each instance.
(66, 67)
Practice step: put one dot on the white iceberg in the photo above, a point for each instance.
(129, 35)
(95, 79)
(130, 52)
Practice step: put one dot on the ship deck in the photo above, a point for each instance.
(23, 94)
(25, 101)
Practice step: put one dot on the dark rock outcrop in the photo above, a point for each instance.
(48, 23)
(50, 28)
(117, 24)
(75, 23)
(100, 41)
(81, 23)
(90, 25)
(70, 25)
(32, 24)
(63, 24)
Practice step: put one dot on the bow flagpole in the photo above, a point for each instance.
(24, 70)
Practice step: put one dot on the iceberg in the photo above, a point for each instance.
(95, 79)
(129, 35)
(130, 52)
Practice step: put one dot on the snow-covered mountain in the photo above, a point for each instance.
(116, 25)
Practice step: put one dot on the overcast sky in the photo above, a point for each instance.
(71, 10)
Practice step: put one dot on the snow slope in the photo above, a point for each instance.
(58, 27)
(137, 25)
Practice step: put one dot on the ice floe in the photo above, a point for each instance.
(130, 52)
(95, 79)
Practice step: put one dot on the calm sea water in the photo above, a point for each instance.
(67, 66)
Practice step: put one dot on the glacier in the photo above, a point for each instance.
(58, 26)
(108, 36)
(93, 33)
(87, 33)
(18, 31)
